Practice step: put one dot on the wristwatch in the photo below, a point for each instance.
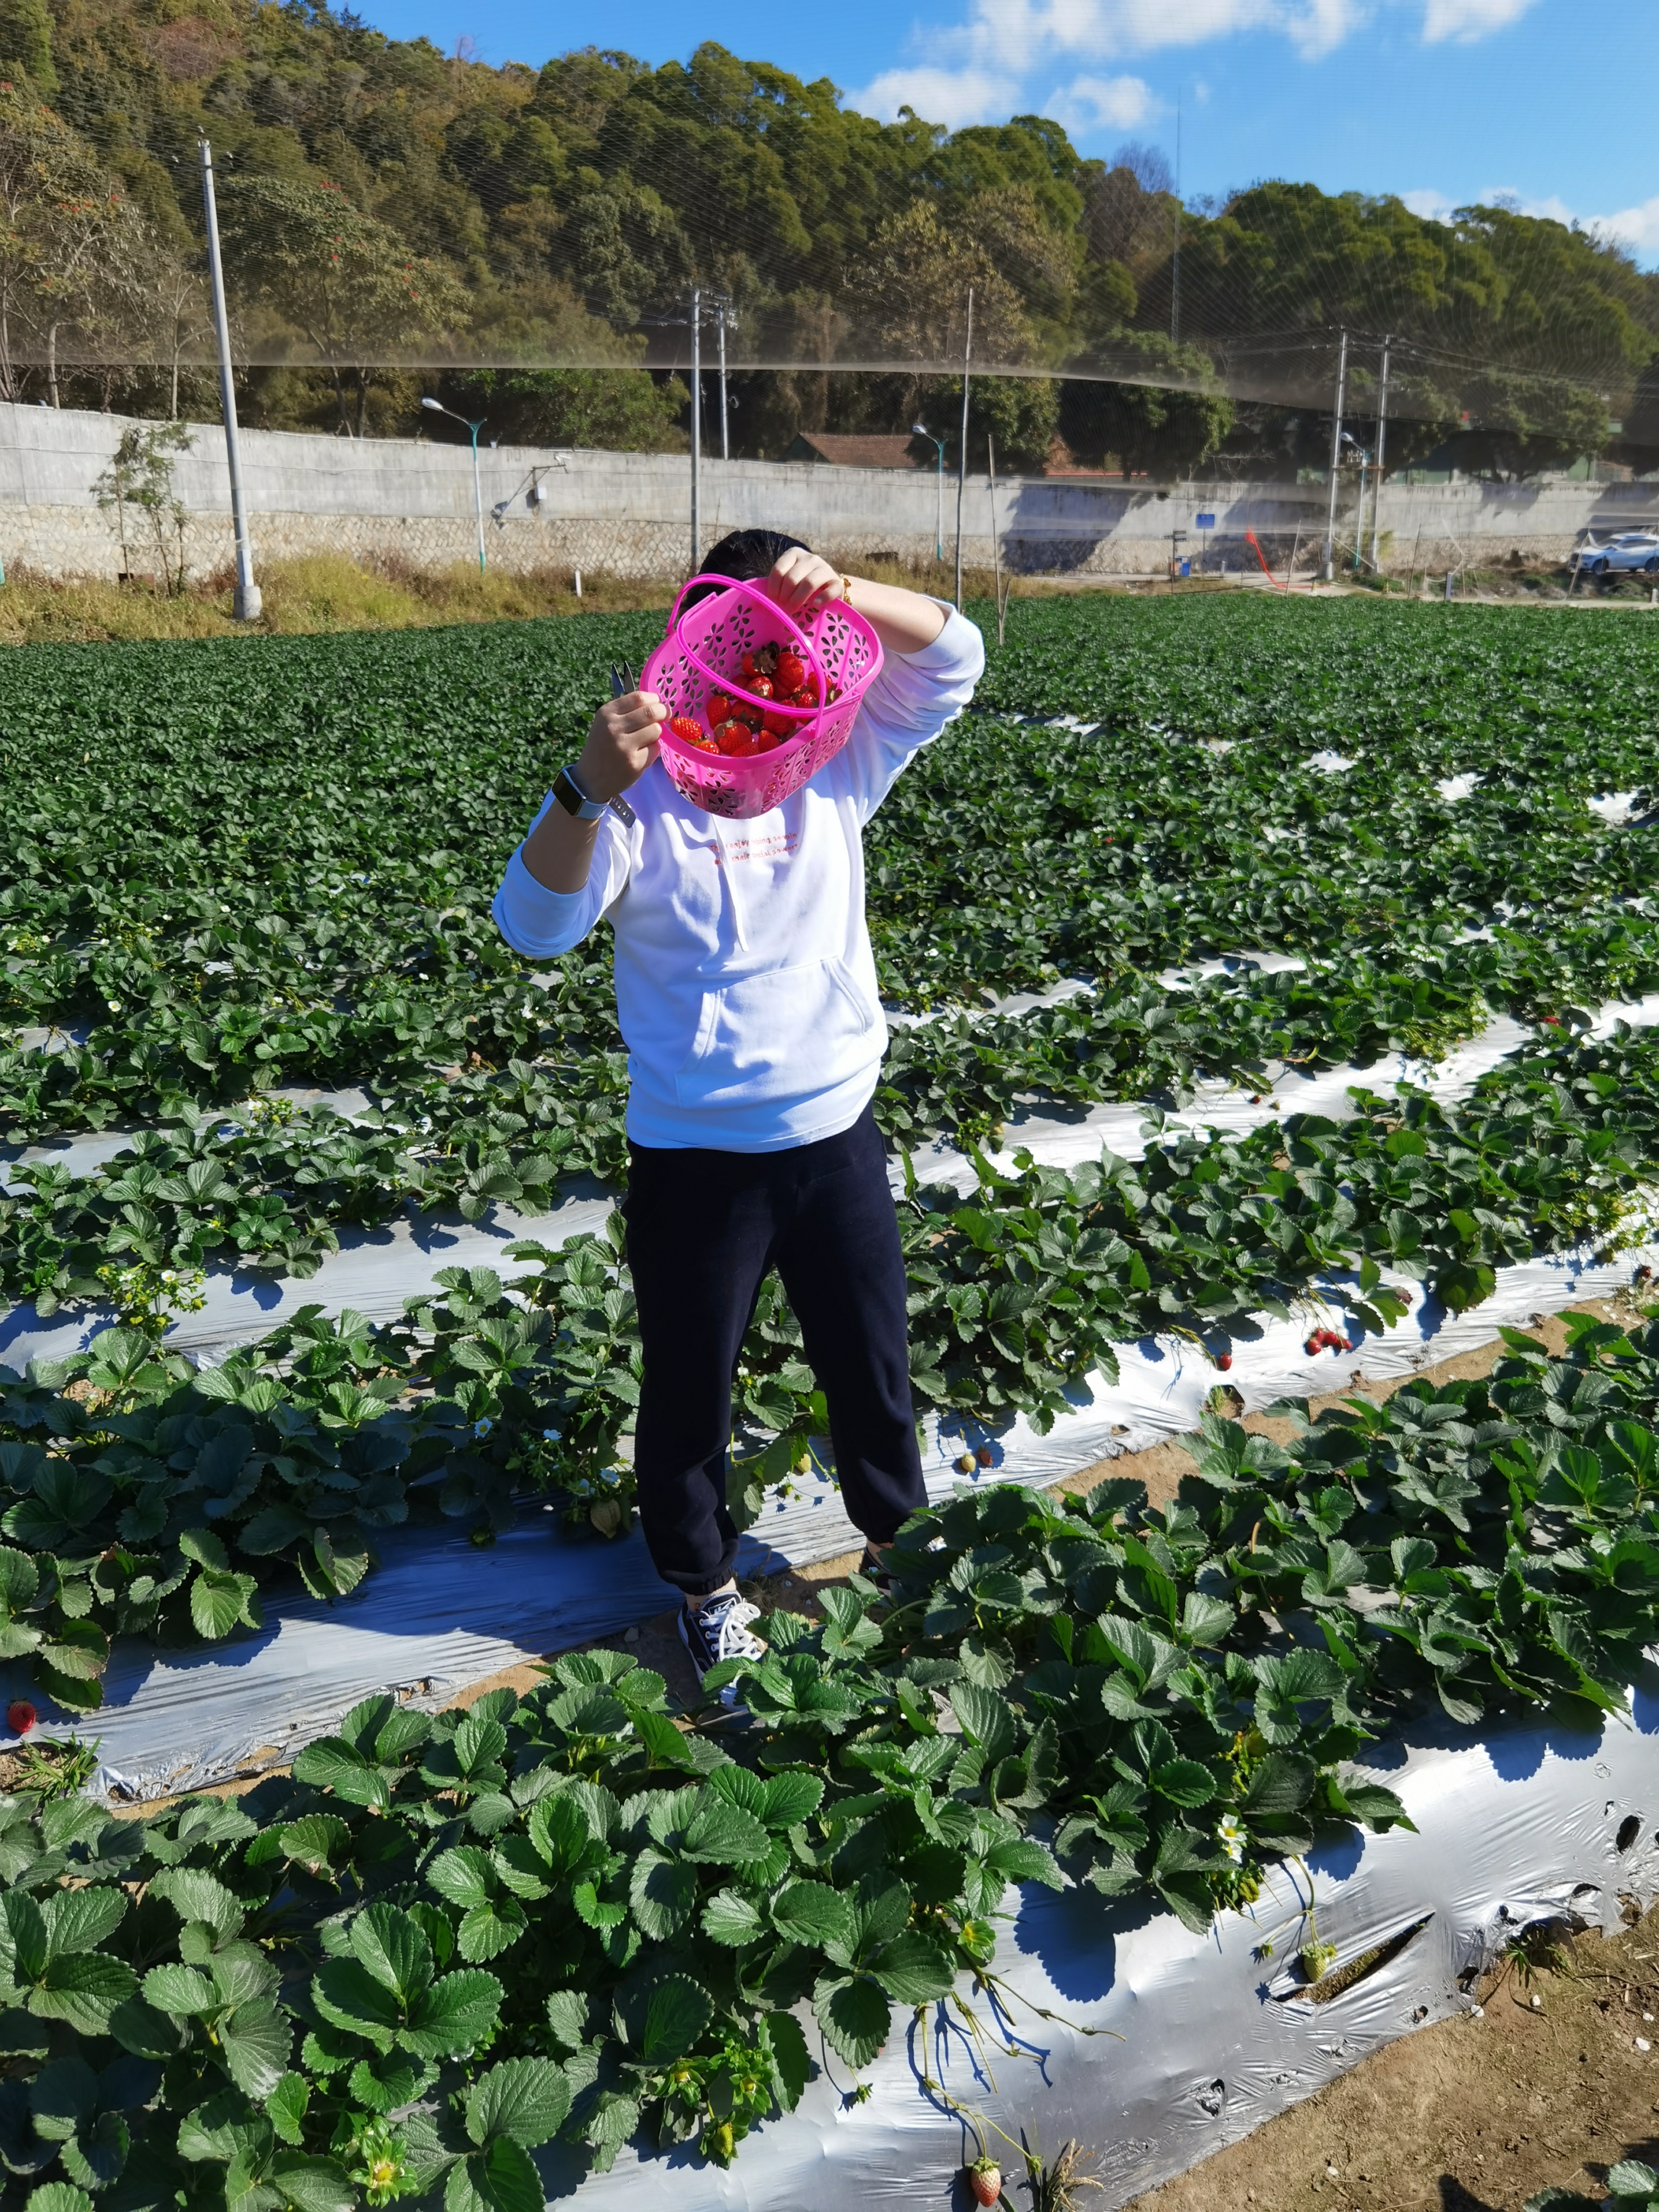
(571, 796)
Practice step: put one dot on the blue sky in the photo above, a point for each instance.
(1443, 101)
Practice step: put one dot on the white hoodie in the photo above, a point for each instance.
(745, 986)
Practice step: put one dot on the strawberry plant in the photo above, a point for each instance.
(443, 1942)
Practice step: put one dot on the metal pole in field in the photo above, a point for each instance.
(996, 549)
(245, 601)
(961, 455)
(719, 324)
(1381, 451)
(1328, 565)
(1360, 513)
(696, 425)
(1175, 257)
(477, 493)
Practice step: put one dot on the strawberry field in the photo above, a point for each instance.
(246, 924)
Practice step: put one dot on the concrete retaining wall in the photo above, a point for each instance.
(629, 514)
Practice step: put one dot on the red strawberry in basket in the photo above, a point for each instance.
(761, 686)
(790, 672)
(778, 726)
(688, 732)
(736, 739)
(718, 709)
(808, 690)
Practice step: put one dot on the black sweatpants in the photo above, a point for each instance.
(703, 1229)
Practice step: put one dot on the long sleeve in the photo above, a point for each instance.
(908, 704)
(540, 923)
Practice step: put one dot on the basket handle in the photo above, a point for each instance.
(749, 591)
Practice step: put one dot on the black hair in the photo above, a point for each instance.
(744, 555)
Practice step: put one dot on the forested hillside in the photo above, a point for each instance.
(383, 204)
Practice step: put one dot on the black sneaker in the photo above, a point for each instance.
(717, 1630)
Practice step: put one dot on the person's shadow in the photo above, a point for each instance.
(1454, 2197)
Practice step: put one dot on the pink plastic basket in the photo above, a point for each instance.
(702, 652)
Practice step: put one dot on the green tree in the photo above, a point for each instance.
(137, 489)
(343, 282)
(1166, 427)
(619, 409)
(26, 43)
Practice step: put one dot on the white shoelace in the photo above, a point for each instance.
(730, 1639)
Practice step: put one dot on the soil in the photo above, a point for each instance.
(1476, 2114)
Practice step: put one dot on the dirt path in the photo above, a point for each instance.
(1475, 2115)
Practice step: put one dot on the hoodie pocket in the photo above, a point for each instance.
(785, 1034)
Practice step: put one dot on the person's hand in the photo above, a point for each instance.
(801, 581)
(622, 744)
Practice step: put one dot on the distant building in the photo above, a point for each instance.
(850, 453)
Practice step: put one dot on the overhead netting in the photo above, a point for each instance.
(384, 207)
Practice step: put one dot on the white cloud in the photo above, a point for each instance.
(952, 97)
(1468, 20)
(1319, 27)
(1636, 228)
(1103, 103)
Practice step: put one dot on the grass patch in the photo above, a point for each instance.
(316, 593)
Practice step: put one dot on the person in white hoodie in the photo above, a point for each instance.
(747, 996)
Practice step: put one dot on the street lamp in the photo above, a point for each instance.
(438, 407)
(922, 430)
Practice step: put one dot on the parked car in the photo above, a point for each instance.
(1632, 548)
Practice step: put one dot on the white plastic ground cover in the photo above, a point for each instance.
(375, 1271)
(1198, 2039)
(441, 1613)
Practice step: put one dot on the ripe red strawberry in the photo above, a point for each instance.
(1224, 1360)
(1552, 1021)
(791, 672)
(802, 698)
(748, 667)
(718, 709)
(779, 725)
(985, 1456)
(19, 1716)
(985, 2179)
(761, 686)
(809, 686)
(688, 732)
(764, 741)
(1349, 1345)
(735, 738)
(1315, 1343)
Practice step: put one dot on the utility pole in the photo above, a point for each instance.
(245, 601)
(1175, 275)
(719, 324)
(1327, 566)
(696, 426)
(962, 456)
(1382, 448)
